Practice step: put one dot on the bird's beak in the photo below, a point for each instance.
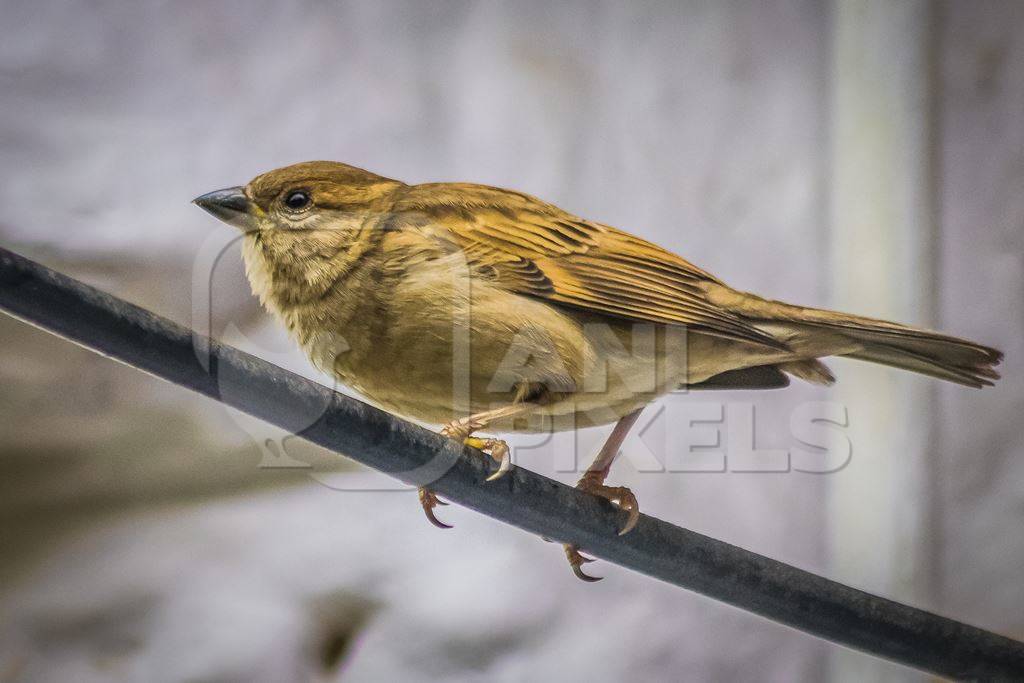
(230, 205)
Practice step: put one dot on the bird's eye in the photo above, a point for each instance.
(297, 200)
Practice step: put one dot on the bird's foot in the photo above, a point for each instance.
(460, 431)
(429, 500)
(497, 449)
(619, 496)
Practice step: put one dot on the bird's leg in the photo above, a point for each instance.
(461, 431)
(592, 481)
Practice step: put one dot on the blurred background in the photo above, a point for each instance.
(861, 154)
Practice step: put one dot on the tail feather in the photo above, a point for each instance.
(809, 370)
(923, 351)
(974, 376)
(888, 343)
(758, 377)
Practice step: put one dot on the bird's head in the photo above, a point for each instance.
(313, 195)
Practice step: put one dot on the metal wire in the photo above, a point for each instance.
(774, 590)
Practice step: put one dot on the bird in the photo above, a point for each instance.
(489, 310)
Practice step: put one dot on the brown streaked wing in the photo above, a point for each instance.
(537, 249)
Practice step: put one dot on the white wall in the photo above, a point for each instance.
(701, 125)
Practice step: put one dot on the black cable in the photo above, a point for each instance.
(785, 594)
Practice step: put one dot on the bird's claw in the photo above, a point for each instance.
(497, 449)
(460, 431)
(627, 502)
(619, 496)
(576, 560)
(429, 500)
(503, 454)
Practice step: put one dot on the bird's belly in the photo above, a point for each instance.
(435, 357)
(436, 354)
(433, 368)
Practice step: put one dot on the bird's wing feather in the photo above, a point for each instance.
(536, 249)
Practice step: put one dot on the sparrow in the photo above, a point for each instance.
(488, 310)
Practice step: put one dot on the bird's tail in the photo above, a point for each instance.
(880, 341)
